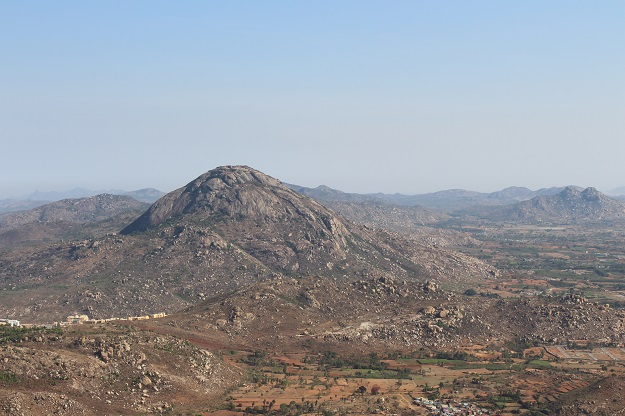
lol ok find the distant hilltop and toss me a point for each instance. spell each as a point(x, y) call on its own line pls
point(149, 195)
point(568, 206)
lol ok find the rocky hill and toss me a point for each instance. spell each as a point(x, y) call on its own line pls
point(229, 228)
point(568, 206)
point(243, 264)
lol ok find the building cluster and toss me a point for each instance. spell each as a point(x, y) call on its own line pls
point(84, 319)
point(9, 322)
point(437, 407)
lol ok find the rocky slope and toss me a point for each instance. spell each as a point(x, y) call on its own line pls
point(229, 228)
point(92, 370)
point(384, 313)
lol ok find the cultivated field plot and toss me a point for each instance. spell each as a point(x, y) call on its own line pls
point(300, 383)
point(596, 354)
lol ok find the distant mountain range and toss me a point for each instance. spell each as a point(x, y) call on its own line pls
point(325, 193)
point(447, 201)
point(620, 191)
point(390, 211)
point(69, 219)
point(373, 212)
point(149, 195)
point(13, 205)
point(458, 199)
point(38, 198)
point(556, 205)
point(75, 210)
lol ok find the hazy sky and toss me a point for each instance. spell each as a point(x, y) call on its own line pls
point(363, 96)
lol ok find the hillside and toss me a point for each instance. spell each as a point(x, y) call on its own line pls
point(107, 370)
point(383, 314)
point(230, 227)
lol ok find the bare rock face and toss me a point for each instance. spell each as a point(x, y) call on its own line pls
point(257, 213)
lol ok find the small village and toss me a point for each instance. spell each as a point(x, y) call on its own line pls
point(81, 319)
point(436, 407)
point(9, 322)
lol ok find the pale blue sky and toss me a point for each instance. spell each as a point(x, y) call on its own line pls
point(363, 96)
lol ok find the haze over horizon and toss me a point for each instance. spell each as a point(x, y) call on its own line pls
point(78, 191)
point(407, 97)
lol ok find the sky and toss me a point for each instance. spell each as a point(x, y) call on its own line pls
point(362, 96)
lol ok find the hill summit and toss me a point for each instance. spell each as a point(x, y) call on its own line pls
point(236, 193)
